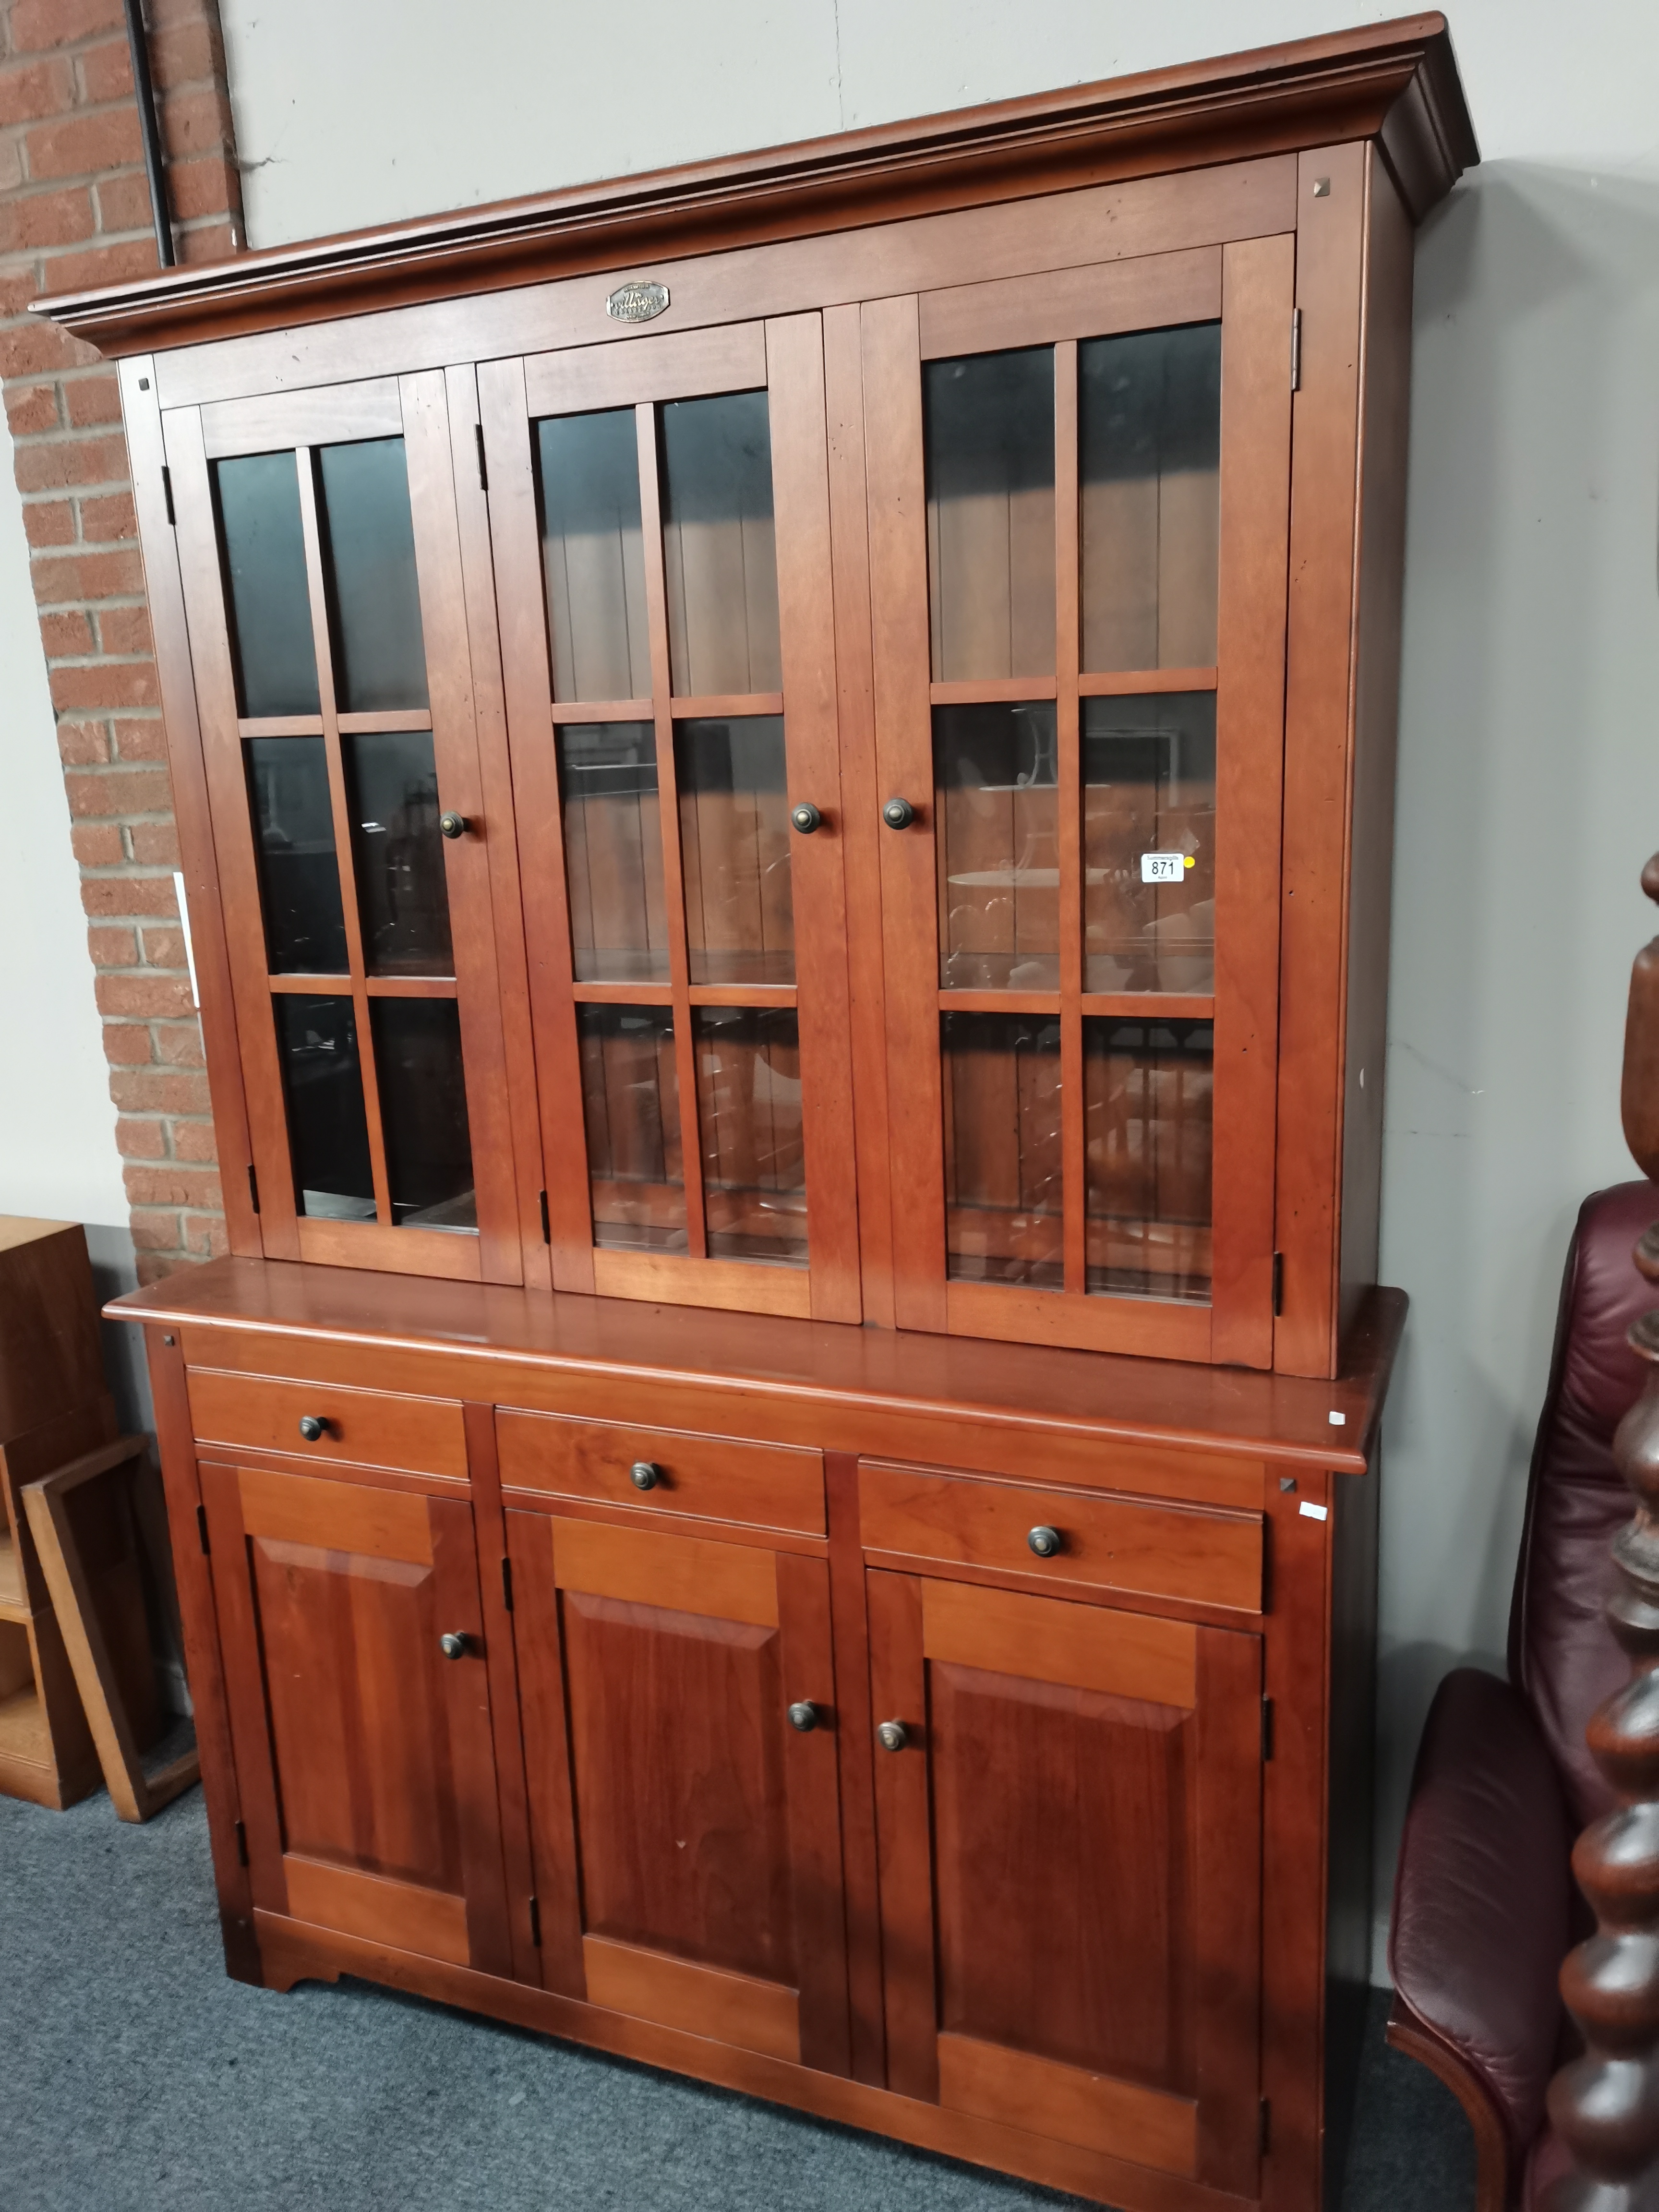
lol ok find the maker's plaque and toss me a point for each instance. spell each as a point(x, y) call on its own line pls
point(637, 302)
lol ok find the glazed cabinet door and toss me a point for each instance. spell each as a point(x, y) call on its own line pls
point(660, 513)
point(350, 1622)
point(1078, 500)
point(1068, 1815)
point(680, 1745)
point(318, 546)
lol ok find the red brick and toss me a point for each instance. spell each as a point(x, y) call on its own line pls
point(18, 287)
point(138, 1140)
point(154, 844)
point(35, 25)
point(180, 1044)
point(127, 1044)
point(174, 1186)
point(145, 997)
point(11, 164)
point(82, 145)
point(193, 1141)
point(96, 845)
point(164, 16)
point(165, 948)
point(32, 408)
point(104, 683)
point(190, 51)
point(29, 90)
point(155, 1090)
point(103, 264)
point(141, 741)
point(101, 896)
point(156, 1232)
point(35, 348)
point(196, 122)
point(124, 629)
point(82, 745)
point(60, 218)
point(92, 400)
point(204, 186)
point(109, 518)
point(106, 72)
point(48, 521)
point(76, 576)
point(156, 1266)
point(204, 1235)
point(67, 633)
point(123, 202)
point(218, 241)
point(50, 466)
point(112, 948)
point(123, 791)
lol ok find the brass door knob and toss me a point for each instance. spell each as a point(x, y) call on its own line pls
point(312, 1427)
point(453, 825)
point(806, 817)
point(892, 1735)
point(645, 1474)
point(804, 1715)
point(453, 1646)
point(1045, 1542)
point(898, 814)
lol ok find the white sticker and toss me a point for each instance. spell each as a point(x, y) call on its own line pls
point(1338, 1420)
point(1164, 867)
point(1313, 1512)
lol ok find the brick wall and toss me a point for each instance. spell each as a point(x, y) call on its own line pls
point(75, 211)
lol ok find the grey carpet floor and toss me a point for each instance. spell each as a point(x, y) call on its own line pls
point(137, 2078)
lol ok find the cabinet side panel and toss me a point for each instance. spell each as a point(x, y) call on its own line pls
point(1385, 419)
point(1352, 1720)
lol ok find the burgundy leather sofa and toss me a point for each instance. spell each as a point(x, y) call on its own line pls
point(1484, 1905)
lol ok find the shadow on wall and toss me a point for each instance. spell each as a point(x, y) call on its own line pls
point(1528, 800)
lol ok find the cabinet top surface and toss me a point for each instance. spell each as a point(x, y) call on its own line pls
point(1221, 1408)
point(17, 1228)
point(1396, 82)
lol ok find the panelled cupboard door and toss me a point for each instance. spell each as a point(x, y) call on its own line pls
point(660, 515)
point(320, 555)
point(1074, 1950)
point(680, 1748)
point(1079, 488)
point(363, 1750)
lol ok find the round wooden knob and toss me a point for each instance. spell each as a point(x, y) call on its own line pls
point(312, 1427)
point(453, 825)
point(805, 817)
point(898, 814)
point(1044, 1542)
point(453, 1646)
point(804, 1715)
point(892, 1735)
point(645, 1474)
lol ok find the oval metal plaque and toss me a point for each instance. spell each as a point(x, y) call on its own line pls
point(637, 302)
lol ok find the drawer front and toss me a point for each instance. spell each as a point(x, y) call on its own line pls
point(1194, 1555)
point(424, 1435)
point(767, 1486)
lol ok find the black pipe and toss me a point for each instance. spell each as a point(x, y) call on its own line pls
point(144, 89)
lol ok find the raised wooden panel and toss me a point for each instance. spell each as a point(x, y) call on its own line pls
point(737, 2009)
point(423, 1435)
point(1121, 1655)
point(1201, 1557)
point(342, 1516)
point(769, 1485)
point(639, 1566)
point(1068, 2102)
point(405, 1914)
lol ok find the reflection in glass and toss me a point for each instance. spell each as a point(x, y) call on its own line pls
point(322, 1084)
point(630, 1108)
point(734, 850)
point(990, 444)
point(754, 1165)
point(717, 538)
point(369, 554)
point(592, 563)
point(613, 852)
point(299, 871)
point(399, 853)
point(995, 769)
point(1149, 407)
point(1146, 1101)
point(1149, 788)
point(1002, 1150)
point(270, 607)
point(429, 1151)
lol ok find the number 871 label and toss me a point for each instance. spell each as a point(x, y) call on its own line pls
point(1164, 867)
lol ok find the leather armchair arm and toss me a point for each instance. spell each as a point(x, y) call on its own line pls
point(1483, 1895)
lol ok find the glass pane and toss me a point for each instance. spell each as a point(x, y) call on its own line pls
point(1149, 842)
point(592, 563)
point(630, 1105)
point(299, 871)
point(270, 606)
point(1149, 407)
point(369, 537)
point(613, 852)
point(400, 852)
point(990, 438)
point(717, 544)
point(754, 1166)
point(734, 850)
point(1147, 1089)
point(1002, 1150)
point(997, 794)
point(327, 1133)
point(428, 1151)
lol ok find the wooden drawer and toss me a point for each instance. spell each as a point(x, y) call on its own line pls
point(1192, 1554)
point(717, 1478)
point(425, 1436)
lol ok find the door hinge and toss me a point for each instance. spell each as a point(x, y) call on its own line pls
point(1295, 349)
point(536, 1922)
point(1279, 1284)
point(483, 471)
point(241, 1845)
point(507, 1583)
point(201, 1530)
point(547, 1233)
point(1265, 2129)
point(252, 1187)
point(1266, 1728)
point(167, 494)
